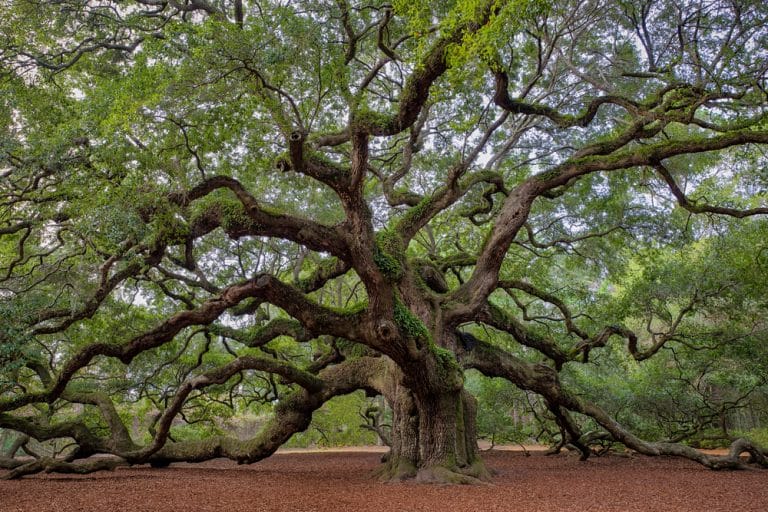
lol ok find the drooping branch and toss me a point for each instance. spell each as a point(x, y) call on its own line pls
point(695, 206)
point(50, 465)
point(730, 461)
point(264, 334)
point(499, 319)
point(571, 433)
point(293, 414)
point(38, 427)
point(502, 99)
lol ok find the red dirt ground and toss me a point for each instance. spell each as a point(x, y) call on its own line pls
point(341, 481)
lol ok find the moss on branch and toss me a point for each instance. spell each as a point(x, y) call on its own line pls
point(409, 324)
point(389, 254)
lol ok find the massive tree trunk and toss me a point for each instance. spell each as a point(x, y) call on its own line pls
point(434, 440)
point(447, 439)
point(434, 434)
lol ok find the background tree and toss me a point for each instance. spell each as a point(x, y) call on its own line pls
point(211, 208)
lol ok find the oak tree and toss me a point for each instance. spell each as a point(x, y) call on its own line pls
point(207, 204)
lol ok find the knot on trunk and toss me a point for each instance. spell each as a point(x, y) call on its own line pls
point(387, 330)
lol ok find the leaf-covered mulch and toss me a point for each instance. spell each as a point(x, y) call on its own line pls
point(331, 481)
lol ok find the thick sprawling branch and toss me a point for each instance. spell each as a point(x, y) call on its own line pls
point(51, 465)
point(416, 89)
point(495, 362)
point(262, 222)
point(264, 334)
point(517, 205)
point(647, 155)
point(39, 428)
point(292, 415)
point(221, 375)
point(314, 317)
point(326, 270)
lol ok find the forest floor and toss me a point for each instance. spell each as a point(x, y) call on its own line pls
point(325, 481)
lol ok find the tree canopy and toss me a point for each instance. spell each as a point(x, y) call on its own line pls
point(211, 207)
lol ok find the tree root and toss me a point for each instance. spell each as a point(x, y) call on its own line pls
point(444, 475)
point(404, 470)
point(396, 470)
